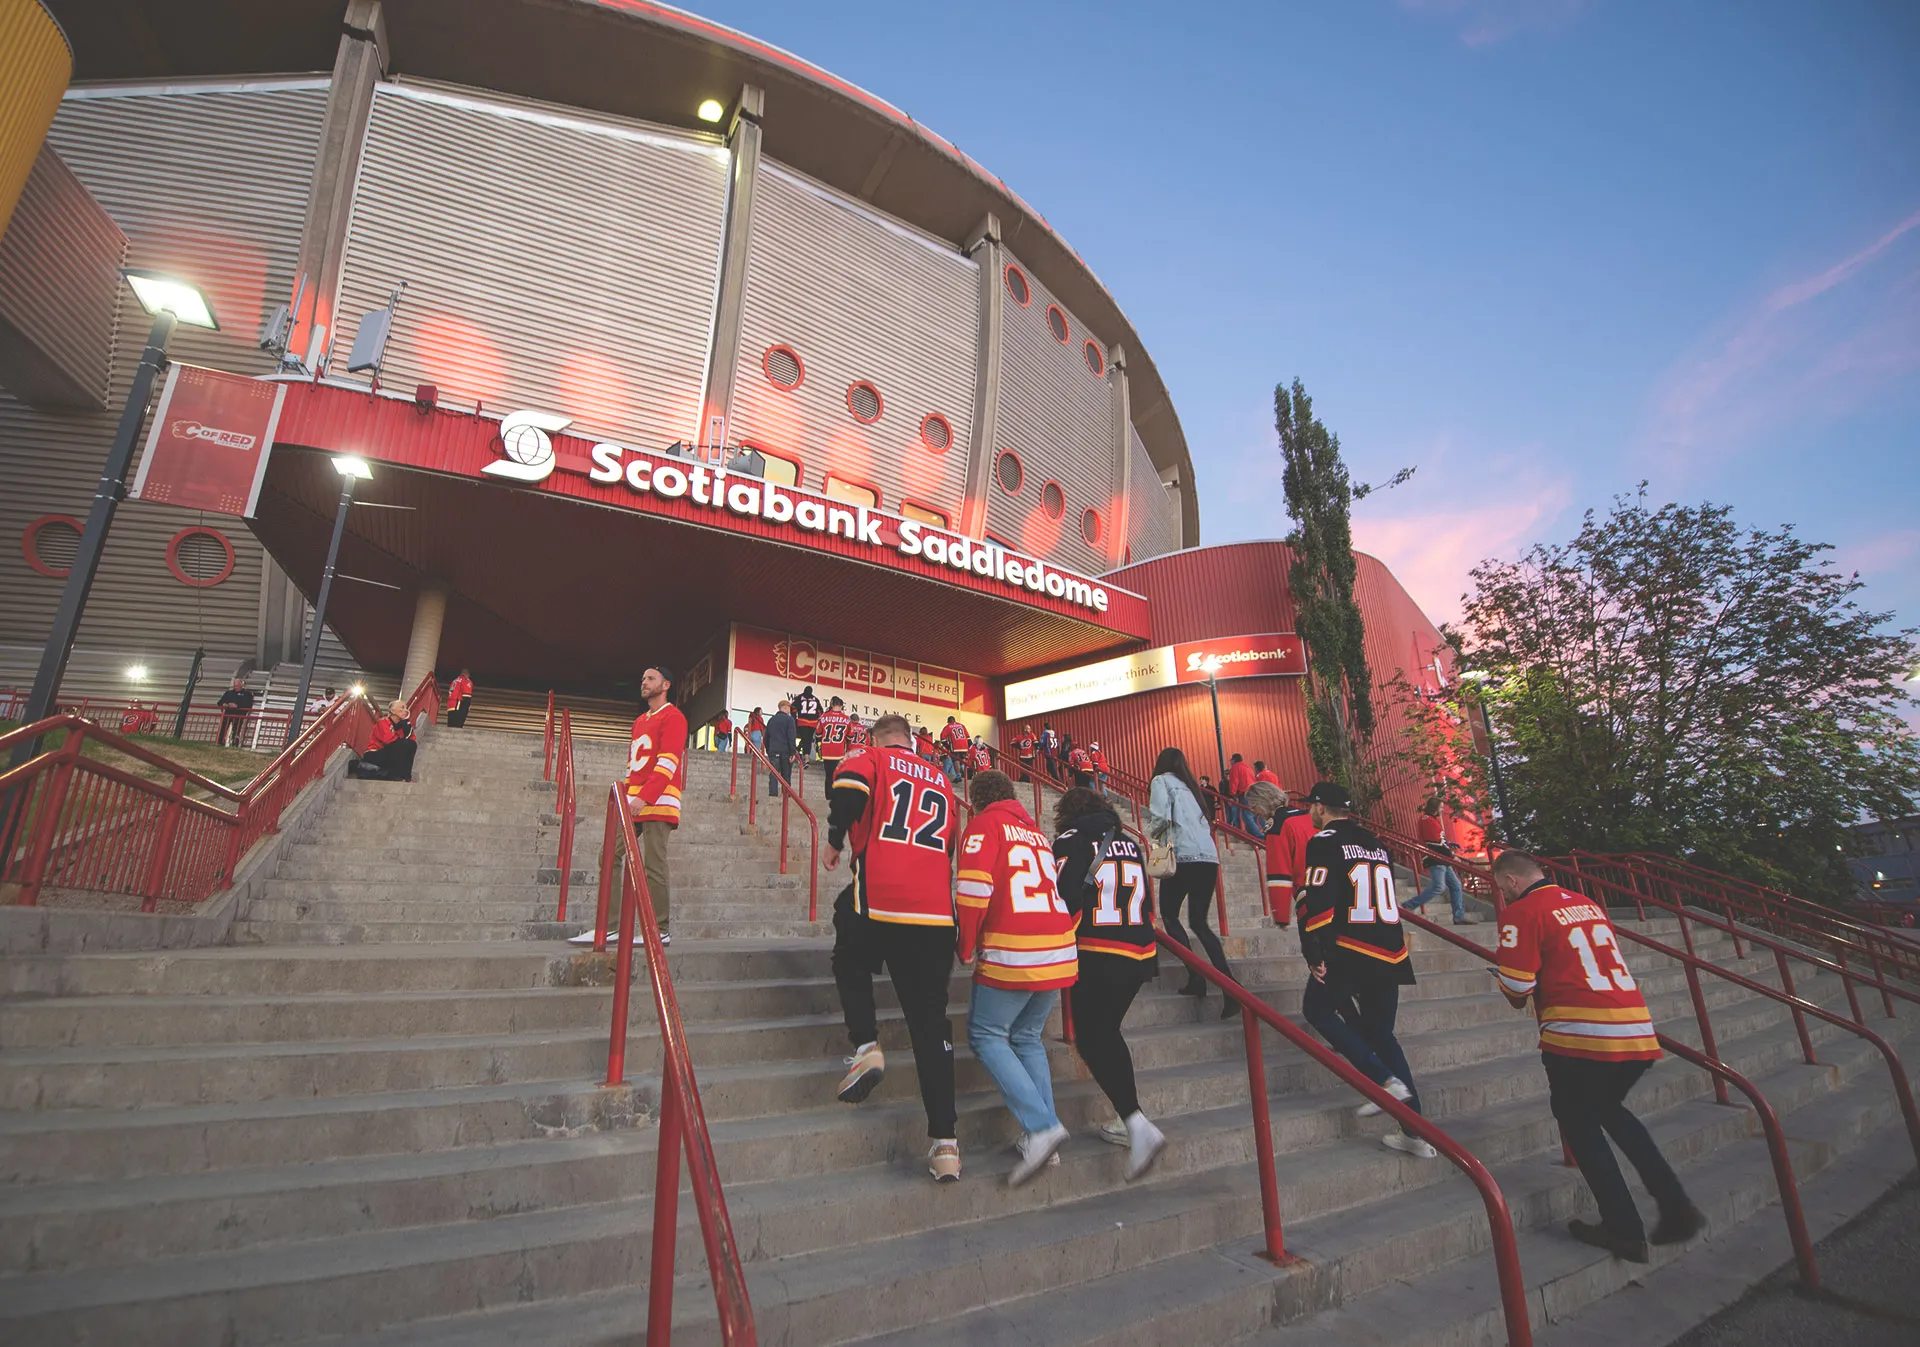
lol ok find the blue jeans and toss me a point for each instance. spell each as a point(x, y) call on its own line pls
point(1441, 879)
point(1357, 1021)
point(1003, 1029)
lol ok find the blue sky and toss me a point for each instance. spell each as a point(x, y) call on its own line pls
point(1542, 250)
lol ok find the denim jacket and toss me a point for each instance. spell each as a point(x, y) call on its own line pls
point(1174, 816)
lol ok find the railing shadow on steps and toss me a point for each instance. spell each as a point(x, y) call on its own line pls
point(70, 820)
point(683, 1122)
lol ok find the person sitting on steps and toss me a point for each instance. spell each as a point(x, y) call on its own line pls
point(390, 749)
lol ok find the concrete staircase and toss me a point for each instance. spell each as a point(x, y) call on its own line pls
point(378, 1120)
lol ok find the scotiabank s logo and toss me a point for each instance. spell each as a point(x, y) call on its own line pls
point(528, 449)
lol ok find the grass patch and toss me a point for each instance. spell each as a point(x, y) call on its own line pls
point(229, 766)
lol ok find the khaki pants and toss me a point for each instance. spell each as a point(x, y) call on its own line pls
point(653, 834)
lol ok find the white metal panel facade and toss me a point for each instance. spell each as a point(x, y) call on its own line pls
point(1056, 415)
point(211, 183)
point(858, 298)
point(553, 259)
point(1153, 521)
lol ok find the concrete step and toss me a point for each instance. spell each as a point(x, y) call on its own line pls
point(391, 932)
point(215, 972)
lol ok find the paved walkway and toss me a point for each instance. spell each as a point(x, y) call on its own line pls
point(1871, 1269)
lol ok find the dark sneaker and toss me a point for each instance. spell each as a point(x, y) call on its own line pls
point(1677, 1227)
point(1591, 1232)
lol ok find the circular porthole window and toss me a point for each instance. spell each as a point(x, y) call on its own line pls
point(1053, 502)
point(783, 367)
point(1091, 527)
point(51, 543)
point(863, 402)
point(1017, 286)
point(1096, 359)
point(200, 557)
point(1009, 472)
point(935, 433)
point(1057, 324)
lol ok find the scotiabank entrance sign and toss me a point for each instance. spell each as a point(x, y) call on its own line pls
point(532, 449)
point(1266, 655)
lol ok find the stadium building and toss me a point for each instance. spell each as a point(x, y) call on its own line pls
point(661, 344)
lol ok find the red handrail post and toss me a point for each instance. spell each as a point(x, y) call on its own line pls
point(53, 803)
point(567, 805)
point(609, 857)
point(1220, 888)
point(156, 876)
point(546, 768)
point(1886, 995)
point(1799, 1019)
point(1846, 978)
point(733, 767)
point(666, 1209)
point(622, 981)
point(1276, 1245)
point(1066, 1016)
point(785, 810)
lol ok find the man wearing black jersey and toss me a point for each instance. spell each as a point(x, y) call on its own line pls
point(1356, 952)
point(806, 714)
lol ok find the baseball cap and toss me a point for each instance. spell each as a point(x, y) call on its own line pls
point(1330, 793)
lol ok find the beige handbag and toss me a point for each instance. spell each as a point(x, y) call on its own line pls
point(1160, 861)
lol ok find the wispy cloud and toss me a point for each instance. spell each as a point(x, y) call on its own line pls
point(1482, 23)
point(1811, 350)
point(1891, 551)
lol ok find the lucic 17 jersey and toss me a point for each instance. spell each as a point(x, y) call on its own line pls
point(902, 839)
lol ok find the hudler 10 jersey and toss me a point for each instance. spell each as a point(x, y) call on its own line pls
point(895, 813)
point(1349, 913)
point(1558, 946)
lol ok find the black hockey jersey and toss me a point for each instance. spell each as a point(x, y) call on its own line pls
point(1349, 912)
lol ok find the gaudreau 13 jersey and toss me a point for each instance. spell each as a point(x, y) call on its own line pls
point(833, 734)
point(1349, 912)
point(903, 838)
point(1558, 946)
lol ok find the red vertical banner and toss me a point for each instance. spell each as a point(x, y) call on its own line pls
point(207, 449)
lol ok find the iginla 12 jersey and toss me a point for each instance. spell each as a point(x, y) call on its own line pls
point(902, 840)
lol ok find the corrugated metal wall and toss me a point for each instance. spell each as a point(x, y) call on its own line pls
point(1057, 415)
point(1240, 589)
point(553, 259)
point(212, 184)
point(857, 297)
point(60, 290)
point(1153, 518)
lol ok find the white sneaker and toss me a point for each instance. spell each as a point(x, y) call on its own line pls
point(1115, 1133)
point(586, 937)
point(1036, 1148)
point(1394, 1087)
point(1400, 1141)
point(1145, 1144)
point(943, 1161)
point(865, 1070)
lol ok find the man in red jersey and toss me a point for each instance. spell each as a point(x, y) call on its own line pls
point(1239, 781)
point(1080, 764)
point(459, 699)
point(1288, 830)
point(954, 742)
point(832, 738)
point(1596, 1040)
point(1014, 920)
point(926, 745)
point(656, 774)
point(979, 757)
point(1097, 759)
point(894, 813)
point(1023, 748)
point(856, 734)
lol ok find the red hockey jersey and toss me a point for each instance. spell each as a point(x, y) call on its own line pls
point(1558, 946)
point(657, 765)
point(956, 737)
point(901, 840)
point(982, 757)
point(1009, 909)
point(832, 734)
point(1287, 862)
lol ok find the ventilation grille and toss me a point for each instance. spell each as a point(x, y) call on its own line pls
point(936, 434)
point(203, 557)
point(1057, 323)
point(863, 400)
point(1091, 527)
point(1096, 359)
point(783, 368)
point(1011, 474)
point(1053, 502)
point(57, 545)
point(1017, 286)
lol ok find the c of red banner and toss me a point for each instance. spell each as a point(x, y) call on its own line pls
point(208, 446)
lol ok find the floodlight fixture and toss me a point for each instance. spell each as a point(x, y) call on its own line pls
point(160, 293)
point(352, 465)
point(136, 673)
point(712, 110)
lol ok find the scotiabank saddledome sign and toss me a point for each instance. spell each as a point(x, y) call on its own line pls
point(531, 456)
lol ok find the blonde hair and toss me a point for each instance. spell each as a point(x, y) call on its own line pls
point(399, 708)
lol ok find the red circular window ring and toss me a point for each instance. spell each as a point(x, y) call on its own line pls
point(864, 403)
point(1096, 359)
point(200, 557)
point(1017, 286)
point(784, 368)
point(936, 433)
point(1010, 472)
point(1057, 324)
point(1091, 527)
point(50, 540)
point(1053, 501)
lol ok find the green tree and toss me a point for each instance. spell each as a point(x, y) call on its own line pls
point(1670, 681)
point(1320, 498)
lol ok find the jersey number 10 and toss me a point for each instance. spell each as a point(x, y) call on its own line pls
point(1373, 896)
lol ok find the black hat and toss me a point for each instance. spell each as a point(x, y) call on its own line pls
point(1331, 794)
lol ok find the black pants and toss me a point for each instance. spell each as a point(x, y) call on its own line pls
point(1356, 1017)
point(832, 765)
point(457, 717)
point(231, 728)
point(1099, 1001)
point(806, 741)
point(389, 762)
point(1191, 883)
point(1588, 1099)
point(783, 764)
point(920, 961)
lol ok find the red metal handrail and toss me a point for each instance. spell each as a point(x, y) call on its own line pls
point(1763, 894)
point(789, 797)
point(567, 805)
point(1255, 1012)
point(1723, 1074)
point(683, 1122)
point(546, 754)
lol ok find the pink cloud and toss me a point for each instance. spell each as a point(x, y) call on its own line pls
point(1890, 551)
point(1811, 350)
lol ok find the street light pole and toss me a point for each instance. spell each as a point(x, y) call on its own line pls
point(1212, 666)
point(1493, 764)
point(351, 470)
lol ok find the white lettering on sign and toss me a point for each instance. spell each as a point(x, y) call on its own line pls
point(715, 489)
point(1164, 667)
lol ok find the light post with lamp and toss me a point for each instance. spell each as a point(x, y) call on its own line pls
point(1481, 683)
point(351, 470)
point(171, 302)
point(1212, 665)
